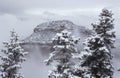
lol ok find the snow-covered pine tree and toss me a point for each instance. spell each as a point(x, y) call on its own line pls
point(64, 48)
point(97, 63)
point(12, 57)
point(105, 28)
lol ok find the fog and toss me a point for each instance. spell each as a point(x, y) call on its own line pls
point(35, 67)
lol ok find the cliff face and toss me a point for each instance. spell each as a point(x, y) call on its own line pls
point(44, 32)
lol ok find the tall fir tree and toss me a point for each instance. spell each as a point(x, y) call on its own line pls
point(64, 49)
point(98, 63)
point(105, 28)
point(12, 57)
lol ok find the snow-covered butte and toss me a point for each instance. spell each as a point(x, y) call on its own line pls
point(44, 32)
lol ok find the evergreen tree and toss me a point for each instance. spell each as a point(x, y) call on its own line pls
point(96, 57)
point(98, 61)
point(64, 48)
point(105, 28)
point(12, 57)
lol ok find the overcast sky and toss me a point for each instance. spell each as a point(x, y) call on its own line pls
point(24, 15)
